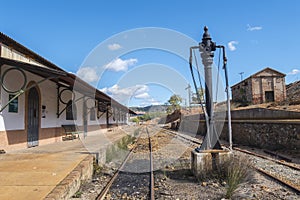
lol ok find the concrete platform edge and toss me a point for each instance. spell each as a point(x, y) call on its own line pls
point(71, 183)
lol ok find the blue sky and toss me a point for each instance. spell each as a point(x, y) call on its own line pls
point(257, 34)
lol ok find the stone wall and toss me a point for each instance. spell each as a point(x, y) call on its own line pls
point(264, 128)
point(70, 184)
point(268, 135)
point(242, 92)
point(293, 92)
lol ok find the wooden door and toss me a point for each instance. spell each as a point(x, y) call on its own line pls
point(33, 116)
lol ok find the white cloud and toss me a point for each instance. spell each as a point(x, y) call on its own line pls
point(139, 92)
point(154, 102)
point(120, 65)
point(124, 94)
point(231, 45)
point(144, 95)
point(88, 74)
point(114, 46)
point(294, 72)
point(149, 102)
point(253, 28)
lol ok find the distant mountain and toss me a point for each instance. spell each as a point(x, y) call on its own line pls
point(152, 108)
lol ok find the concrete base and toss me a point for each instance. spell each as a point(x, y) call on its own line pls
point(208, 160)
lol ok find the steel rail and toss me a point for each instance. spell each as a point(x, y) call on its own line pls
point(181, 136)
point(151, 169)
point(105, 190)
point(268, 158)
point(289, 185)
point(247, 152)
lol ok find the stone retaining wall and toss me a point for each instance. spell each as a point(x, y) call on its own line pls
point(271, 136)
point(71, 184)
point(264, 128)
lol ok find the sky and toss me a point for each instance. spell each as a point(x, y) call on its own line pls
point(137, 50)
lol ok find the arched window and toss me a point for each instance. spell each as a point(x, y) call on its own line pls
point(71, 111)
point(92, 114)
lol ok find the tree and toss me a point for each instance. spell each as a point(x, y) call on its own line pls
point(174, 103)
point(135, 120)
point(195, 99)
point(145, 117)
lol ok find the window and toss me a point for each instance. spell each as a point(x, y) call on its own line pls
point(102, 107)
point(92, 114)
point(278, 80)
point(269, 83)
point(71, 111)
point(13, 105)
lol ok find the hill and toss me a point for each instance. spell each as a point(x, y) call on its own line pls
point(152, 108)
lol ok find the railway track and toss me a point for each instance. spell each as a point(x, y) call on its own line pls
point(289, 172)
point(288, 176)
point(135, 175)
point(185, 137)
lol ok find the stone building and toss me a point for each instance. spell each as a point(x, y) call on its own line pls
point(293, 92)
point(267, 85)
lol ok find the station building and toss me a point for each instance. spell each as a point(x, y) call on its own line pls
point(267, 85)
point(37, 98)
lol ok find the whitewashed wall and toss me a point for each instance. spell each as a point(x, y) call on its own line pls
point(102, 119)
point(48, 92)
point(12, 121)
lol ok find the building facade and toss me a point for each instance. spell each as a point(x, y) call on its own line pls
point(267, 85)
point(37, 98)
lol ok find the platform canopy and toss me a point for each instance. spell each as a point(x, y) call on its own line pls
point(16, 55)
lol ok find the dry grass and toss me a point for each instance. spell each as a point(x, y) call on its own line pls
point(233, 172)
point(236, 171)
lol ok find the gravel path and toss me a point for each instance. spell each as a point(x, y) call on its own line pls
point(174, 180)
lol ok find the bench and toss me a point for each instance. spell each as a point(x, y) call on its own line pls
point(71, 132)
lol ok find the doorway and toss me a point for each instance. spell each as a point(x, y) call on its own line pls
point(85, 119)
point(33, 116)
point(269, 95)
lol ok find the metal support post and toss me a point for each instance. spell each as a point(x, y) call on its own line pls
point(228, 98)
point(207, 48)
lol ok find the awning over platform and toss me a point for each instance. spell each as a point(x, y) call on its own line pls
point(35, 69)
point(38, 65)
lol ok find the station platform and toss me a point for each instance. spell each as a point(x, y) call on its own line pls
point(36, 173)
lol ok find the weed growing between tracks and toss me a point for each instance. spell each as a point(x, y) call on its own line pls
point(236, 170)
point(230, 174)
point(96, 168)
point(120, 149)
